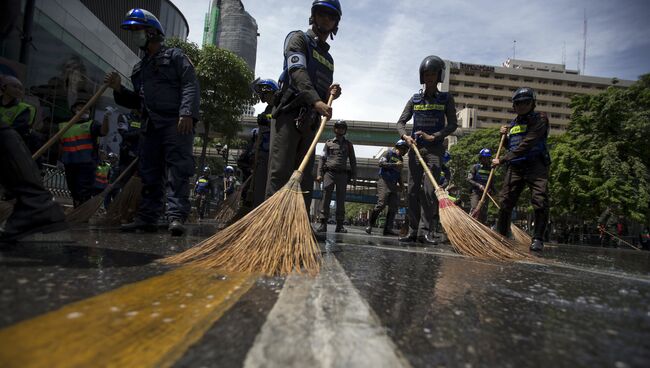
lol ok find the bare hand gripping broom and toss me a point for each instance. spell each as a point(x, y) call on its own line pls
point(466, 234)
point(275, 238)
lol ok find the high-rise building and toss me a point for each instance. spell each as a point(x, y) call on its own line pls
point(482, 92)
point(229, 26)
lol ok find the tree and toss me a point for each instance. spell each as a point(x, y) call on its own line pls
point(225, 89)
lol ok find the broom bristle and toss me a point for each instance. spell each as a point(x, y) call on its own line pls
point(228, 208)
point(84, 212)
point(469, 237)
point(275, 238)
point(520, 236)
point(125, 204)
point(6, 208)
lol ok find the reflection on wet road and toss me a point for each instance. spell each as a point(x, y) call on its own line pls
point(104, 299)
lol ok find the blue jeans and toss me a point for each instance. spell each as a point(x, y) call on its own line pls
point(166, 160)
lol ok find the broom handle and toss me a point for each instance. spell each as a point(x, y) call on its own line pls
point(311, 149)
point(72, 121)
point(489, 182)
point(616, 237)
point(493, 201)
point(122, 175)
point(425, 167)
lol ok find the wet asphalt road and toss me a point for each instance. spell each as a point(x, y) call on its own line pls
point(375, 303)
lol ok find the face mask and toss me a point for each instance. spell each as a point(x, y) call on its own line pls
point(140, 38)
point(85, 116)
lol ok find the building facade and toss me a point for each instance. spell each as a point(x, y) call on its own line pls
point(72, 47)
point(229, 26)
point(482, 92)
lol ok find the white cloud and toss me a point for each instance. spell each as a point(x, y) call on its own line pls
point(381, 42)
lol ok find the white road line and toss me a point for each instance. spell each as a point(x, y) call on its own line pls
point(323, 322)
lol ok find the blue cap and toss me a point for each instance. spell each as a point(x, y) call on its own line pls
point(485, 152)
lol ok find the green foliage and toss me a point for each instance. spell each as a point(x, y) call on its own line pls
point(604, 156)
point(224, 78)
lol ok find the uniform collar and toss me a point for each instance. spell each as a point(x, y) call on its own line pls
point(322, 44)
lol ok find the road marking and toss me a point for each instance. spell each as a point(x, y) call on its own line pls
point(323, 322)
point(150, 323)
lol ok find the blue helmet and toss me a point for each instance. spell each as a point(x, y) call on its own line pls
point(265, 85)
point(254, 131)
point(485, 152)
point(524, 94)
point(446, 157)
point(229, 169)
point(138, 19)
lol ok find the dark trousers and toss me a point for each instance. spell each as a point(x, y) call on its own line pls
point(475, 198)
point(289, 146)
point(533, 174)
point(166, 163)
point(423, 204)
point(81, 180)
point(261, 173)
point(19, 175)
point(330, 180)
point(387, 195)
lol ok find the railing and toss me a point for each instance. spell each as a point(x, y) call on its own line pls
point(54, 181)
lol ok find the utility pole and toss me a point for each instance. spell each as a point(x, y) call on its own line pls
point(584, 49)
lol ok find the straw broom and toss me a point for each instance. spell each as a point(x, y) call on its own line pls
point(126, 203)
point(228, 208)
point(519, 235)
point(84, 212)
point(467, 235)
point(275, 238)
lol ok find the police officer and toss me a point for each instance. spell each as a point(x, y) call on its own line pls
point(389, 185)
point(167, 93)
point(429, 109)
point(333, 171)
point(79, 153)
point(527, 163)
point(266, 90)
point(306, 84)
point(13, 112)
point(204, 191)
point(129, 129)
point(478, 177)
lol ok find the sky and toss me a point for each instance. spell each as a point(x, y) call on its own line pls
point(381, 43)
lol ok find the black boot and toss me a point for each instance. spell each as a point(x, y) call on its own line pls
point(176, 228)
point(428, 239)
point(340, 228)
point(322, 228)
point(541, 218)
point(537, 245)
point(411, 237)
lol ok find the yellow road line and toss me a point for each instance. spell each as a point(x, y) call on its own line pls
point(150, 323)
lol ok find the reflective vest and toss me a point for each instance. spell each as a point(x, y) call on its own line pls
point(101, 175)
point(320, 67)
point(482, 174)
point(8, 114)
point(428, 117)
point(518, 129)
point(77, 144)
point(135, 124)
point(391, 174)
point(202, 185)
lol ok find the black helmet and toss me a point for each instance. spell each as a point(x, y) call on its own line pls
point(524, 94)
point(332, 6)
point(432, 63)
point(341, 124)
point(401, 144)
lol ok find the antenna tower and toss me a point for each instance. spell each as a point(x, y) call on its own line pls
point(584, 48)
